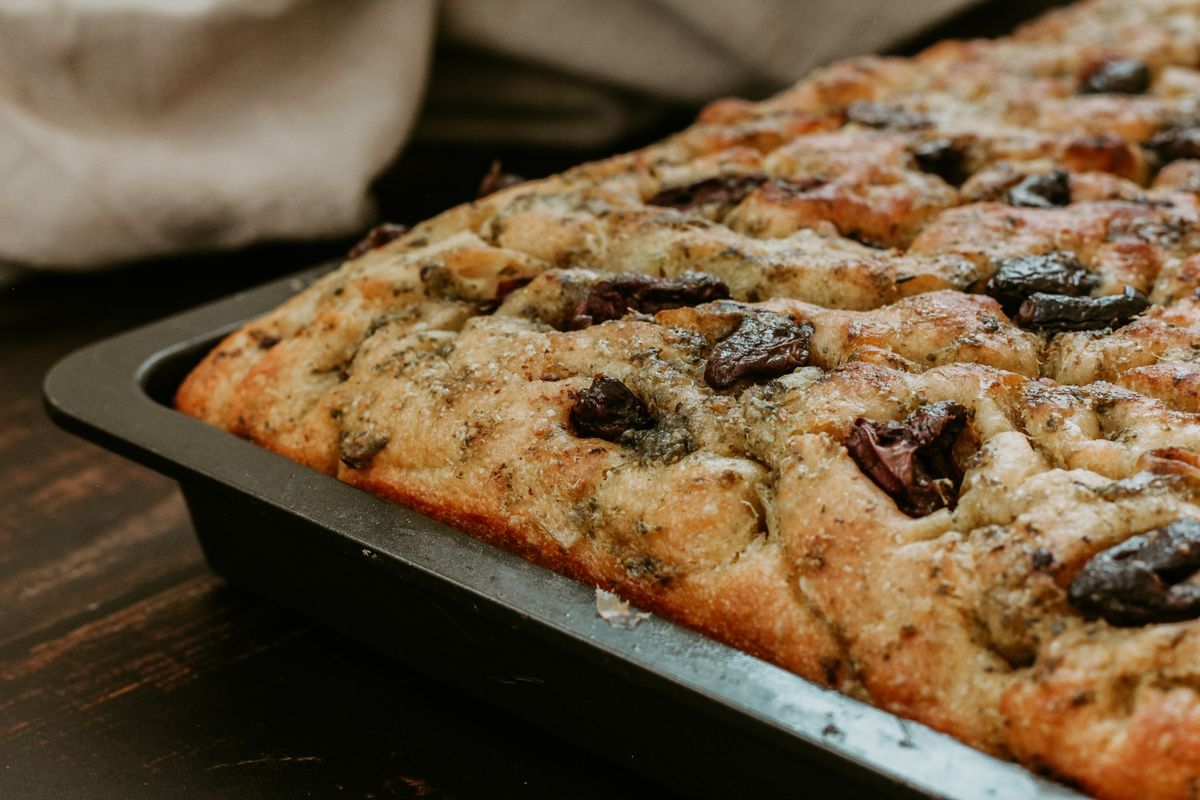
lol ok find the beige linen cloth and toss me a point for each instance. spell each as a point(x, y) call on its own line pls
point(132, 129)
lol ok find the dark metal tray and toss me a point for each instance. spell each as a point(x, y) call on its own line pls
point(690, 713)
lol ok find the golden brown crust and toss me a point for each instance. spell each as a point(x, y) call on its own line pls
point(865, 211)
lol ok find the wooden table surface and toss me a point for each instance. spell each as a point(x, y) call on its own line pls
point(128, 669)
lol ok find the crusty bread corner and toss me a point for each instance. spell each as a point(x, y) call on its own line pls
point(656, 374)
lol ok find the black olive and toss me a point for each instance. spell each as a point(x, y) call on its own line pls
point(607, 409)
point(1041, 559)
point(357, 450)
point(1175, 142)
point(1117, 76)
point(912, 461)
point(944, 158)
point(882, 115)
point(1143, 580)
point(764, 346)
point(504, 288)
point(1047, 273)
point(377, 237)
point(613, 297)
point(1047, 190)
point(1055, 313)
point(729, 189)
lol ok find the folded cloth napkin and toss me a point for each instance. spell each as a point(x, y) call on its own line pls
point(132, 129)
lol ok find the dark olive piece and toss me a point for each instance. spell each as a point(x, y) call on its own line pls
point(882, 115)
point(1055, 313)
point(497, 179)
point(729, 189)
point(614, 297)
point(607, 409)
point(1046, 273)
point(357, 450)
point(377, 237)
point(912, 461)
point(764, 346)
point(944, 158)
point(1117, 76)
point(1041, 559)
point(1147, 579)
point(1175, 142)
point(1047, 190)
point(505, 287)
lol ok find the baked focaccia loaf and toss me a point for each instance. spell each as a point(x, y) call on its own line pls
point(892, 379)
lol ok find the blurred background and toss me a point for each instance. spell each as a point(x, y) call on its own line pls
point(133, 130)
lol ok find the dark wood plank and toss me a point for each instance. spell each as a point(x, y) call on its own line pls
point(199, 690)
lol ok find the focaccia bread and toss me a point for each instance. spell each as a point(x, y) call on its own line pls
point(892, 379)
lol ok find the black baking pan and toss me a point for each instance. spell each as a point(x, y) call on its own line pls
point(690, 713)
